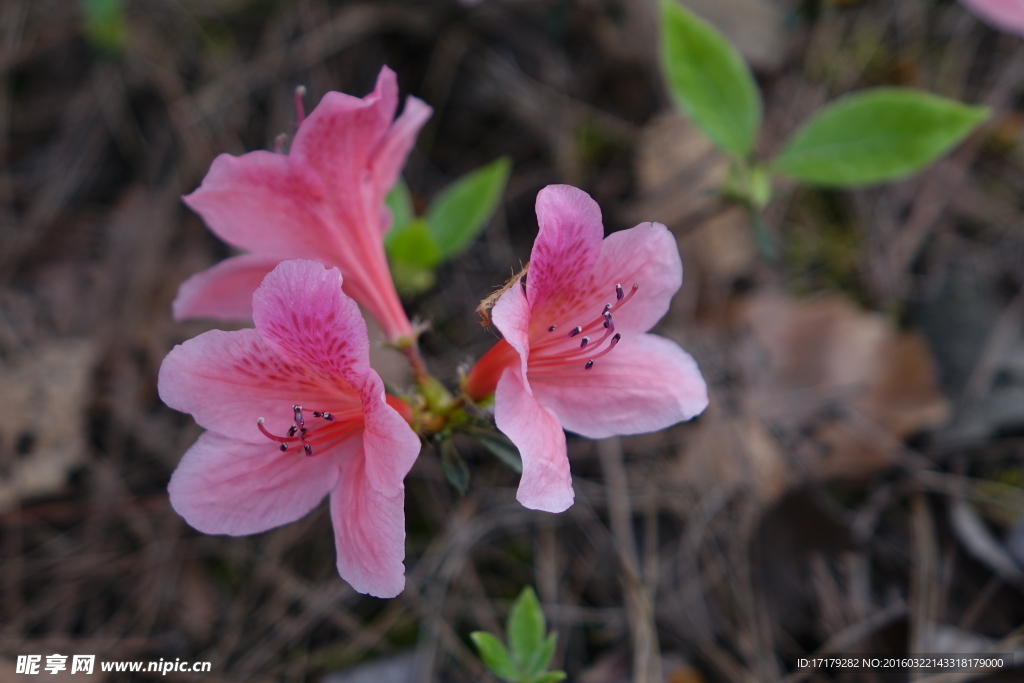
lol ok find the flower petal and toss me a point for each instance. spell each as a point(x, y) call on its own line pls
point(369, 532)
point(339, 137)
point(566, 248)
point(227, 380)
point(648, 256)
point(1007, 15)
point(226, 486)
point(390, 444)
point(512, 316)
point(546, 483)
point(223, 292)
point(390, 156)
point(301, 312)
point(264, 202)
point(647, 383)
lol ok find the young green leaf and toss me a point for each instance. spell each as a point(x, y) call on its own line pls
point(105, 24)
point(549, 677)
point(494, 656)
point(399, 202)
point(464, 208)
point(875, 136)
point(412, 255)
point(541, 656)
point(454, 467)
point(709, 79)
point(526, 628)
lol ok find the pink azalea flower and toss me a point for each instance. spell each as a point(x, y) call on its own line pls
point(322, 201)
point(575, 353)
point(1007, 15)
point(294, 413)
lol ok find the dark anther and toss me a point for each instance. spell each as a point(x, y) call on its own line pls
point(619, 293)
point(292, 430)
point(327, 416)
point(589, 365)
point(302, 433)
point(607, 307)
point(584, 342)
point(298, 415)
point(284, 447)
point(607, 320)
point(576, 330)
point(552, 328)
point(309, 449)
point(616, 338)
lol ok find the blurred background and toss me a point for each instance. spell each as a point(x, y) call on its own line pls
point(853, 487)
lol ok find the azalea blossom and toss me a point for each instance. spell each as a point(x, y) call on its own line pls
point(575, 353)
point(295, 413)
point(322, 201)
point(1007, 15)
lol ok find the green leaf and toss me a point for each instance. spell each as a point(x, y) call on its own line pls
point(549, 677)
point(412, 254)
point(709, 79)
point(105, 25)
point(464, 208)
point(494, 656)
point(399, 202)
point(499, 446)
point(454, 467)
point(526, 627)
point(876, 135)
point(541, 656)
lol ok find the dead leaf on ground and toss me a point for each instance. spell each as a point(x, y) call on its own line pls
point(845, 377)
point(41, 418)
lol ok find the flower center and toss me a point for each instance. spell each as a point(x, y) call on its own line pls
point(327, 431)
point(556, 348)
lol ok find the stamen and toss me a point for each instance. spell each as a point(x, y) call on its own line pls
point(281, 439)
point(292, 430)
point(619, 293)
point(607, 320)
point(300, 109)
point(583, 344)
point(607, 307)
point(576, 330)
point(279, 143)
point(298, 415)
point(325, 415)
point(284, 447)
point(589, 365)
point(552, 328)
point(308, 449)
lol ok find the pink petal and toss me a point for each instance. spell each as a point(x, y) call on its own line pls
point(390, 444)
point(226, 486)
point(567, 245)
point(223, 292)
point(512, 316)
point(390, 156)
point(369, 532)
point(228, 380)
point(1007, 15)
point(266, 203)
point(646, 255)
point(301, 312)
point(340, 135)
point(546, 483)
point(645, 384)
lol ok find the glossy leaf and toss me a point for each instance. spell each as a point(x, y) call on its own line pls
point(499, 446)
point(875, 136)
point(526, 627)
point(412, 255)
point(464, 208)
point(454, 467)
point(494, 656)
point(709, 79)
